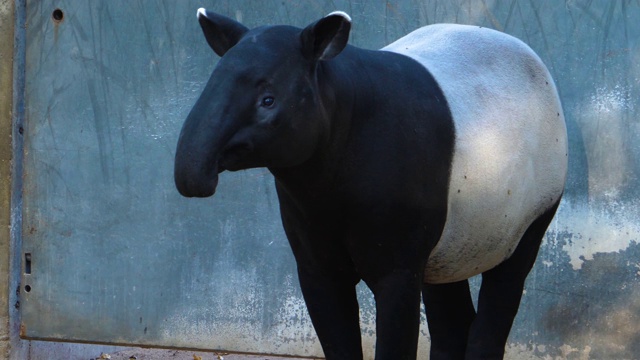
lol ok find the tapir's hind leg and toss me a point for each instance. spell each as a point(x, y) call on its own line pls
point(450, 313)
point(500, 294)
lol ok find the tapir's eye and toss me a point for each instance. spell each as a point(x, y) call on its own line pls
point(268, 101)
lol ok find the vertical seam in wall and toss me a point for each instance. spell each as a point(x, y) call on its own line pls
point(18, 113)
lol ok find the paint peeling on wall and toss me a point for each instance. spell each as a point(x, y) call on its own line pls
point(591, 230)
point(604, 119)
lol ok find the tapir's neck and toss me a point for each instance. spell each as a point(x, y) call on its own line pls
point(375, 102)
point(337, 93)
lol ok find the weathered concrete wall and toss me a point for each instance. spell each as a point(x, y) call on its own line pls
point(109, 88)
point(11, 346)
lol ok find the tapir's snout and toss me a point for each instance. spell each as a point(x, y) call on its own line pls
point(192, 181)
point(196, 162)
point(196, 188)
point(203, 135)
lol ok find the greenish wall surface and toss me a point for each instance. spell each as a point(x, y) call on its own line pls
point(120, 257)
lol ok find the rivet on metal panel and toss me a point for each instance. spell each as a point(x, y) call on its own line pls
point(27, 288)
point(57, 15)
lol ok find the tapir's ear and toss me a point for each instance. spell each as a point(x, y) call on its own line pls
point(327, 37)
point(221, 32)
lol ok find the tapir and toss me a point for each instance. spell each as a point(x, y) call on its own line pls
point(412, 168)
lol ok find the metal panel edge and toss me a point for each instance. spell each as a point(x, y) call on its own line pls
point(7, 13)
point(16, 348)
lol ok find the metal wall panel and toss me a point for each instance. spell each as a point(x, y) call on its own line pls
point(113, 254)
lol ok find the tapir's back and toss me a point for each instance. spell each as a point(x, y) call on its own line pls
point(510, 159)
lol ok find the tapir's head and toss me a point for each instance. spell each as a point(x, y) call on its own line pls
point(262, 106)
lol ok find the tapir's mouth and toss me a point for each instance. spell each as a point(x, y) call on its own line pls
point(233, 157)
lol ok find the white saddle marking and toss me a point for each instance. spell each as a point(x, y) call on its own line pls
point(510, 159)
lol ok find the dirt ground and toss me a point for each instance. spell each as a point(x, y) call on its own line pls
point(157, 354)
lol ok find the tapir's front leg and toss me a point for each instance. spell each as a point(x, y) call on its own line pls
point(397, 298)
point(327, 279)
point(333, 308)
point(329, 291)
point(390, 253)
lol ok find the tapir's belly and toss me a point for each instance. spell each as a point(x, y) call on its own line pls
point(510, 158)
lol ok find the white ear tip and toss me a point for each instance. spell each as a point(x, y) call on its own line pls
point(202, 12)
point(341, 13)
